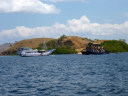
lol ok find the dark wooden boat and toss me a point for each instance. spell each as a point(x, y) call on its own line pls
point(94, 49)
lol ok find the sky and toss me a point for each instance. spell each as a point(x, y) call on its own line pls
point(93, 19)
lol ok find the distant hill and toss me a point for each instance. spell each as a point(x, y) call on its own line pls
point(5, 46)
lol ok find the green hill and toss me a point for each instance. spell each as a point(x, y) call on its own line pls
point(115, 46)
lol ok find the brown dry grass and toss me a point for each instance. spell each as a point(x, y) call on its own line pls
point(32, 43)
point(78, 42)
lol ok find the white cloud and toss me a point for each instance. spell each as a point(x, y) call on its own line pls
point(82, 27)
point(26, 6)
point(65, 0)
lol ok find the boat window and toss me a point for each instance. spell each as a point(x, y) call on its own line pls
point(28, 52)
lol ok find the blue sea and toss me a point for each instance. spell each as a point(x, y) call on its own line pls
point(64, 75)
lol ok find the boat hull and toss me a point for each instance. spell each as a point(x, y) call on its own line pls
point(31, 54)
point(47, 53)
point(93, 53)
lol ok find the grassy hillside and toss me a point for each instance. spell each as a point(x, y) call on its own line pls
point(115, 46)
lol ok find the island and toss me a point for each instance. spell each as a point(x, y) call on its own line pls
point(67, 45)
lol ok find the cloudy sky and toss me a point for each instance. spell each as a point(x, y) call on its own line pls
point(94, 19)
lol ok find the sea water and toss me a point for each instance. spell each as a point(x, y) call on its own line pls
point(64, 75)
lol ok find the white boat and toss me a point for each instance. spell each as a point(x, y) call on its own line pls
point(28, 52)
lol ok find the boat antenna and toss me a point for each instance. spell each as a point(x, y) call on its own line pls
point(85, 44)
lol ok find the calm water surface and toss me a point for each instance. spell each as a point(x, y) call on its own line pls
point(64, 75)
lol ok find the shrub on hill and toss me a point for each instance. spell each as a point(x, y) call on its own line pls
point(64, 50)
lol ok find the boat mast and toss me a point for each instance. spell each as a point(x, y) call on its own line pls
point(44, 44)
point(85, 44)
